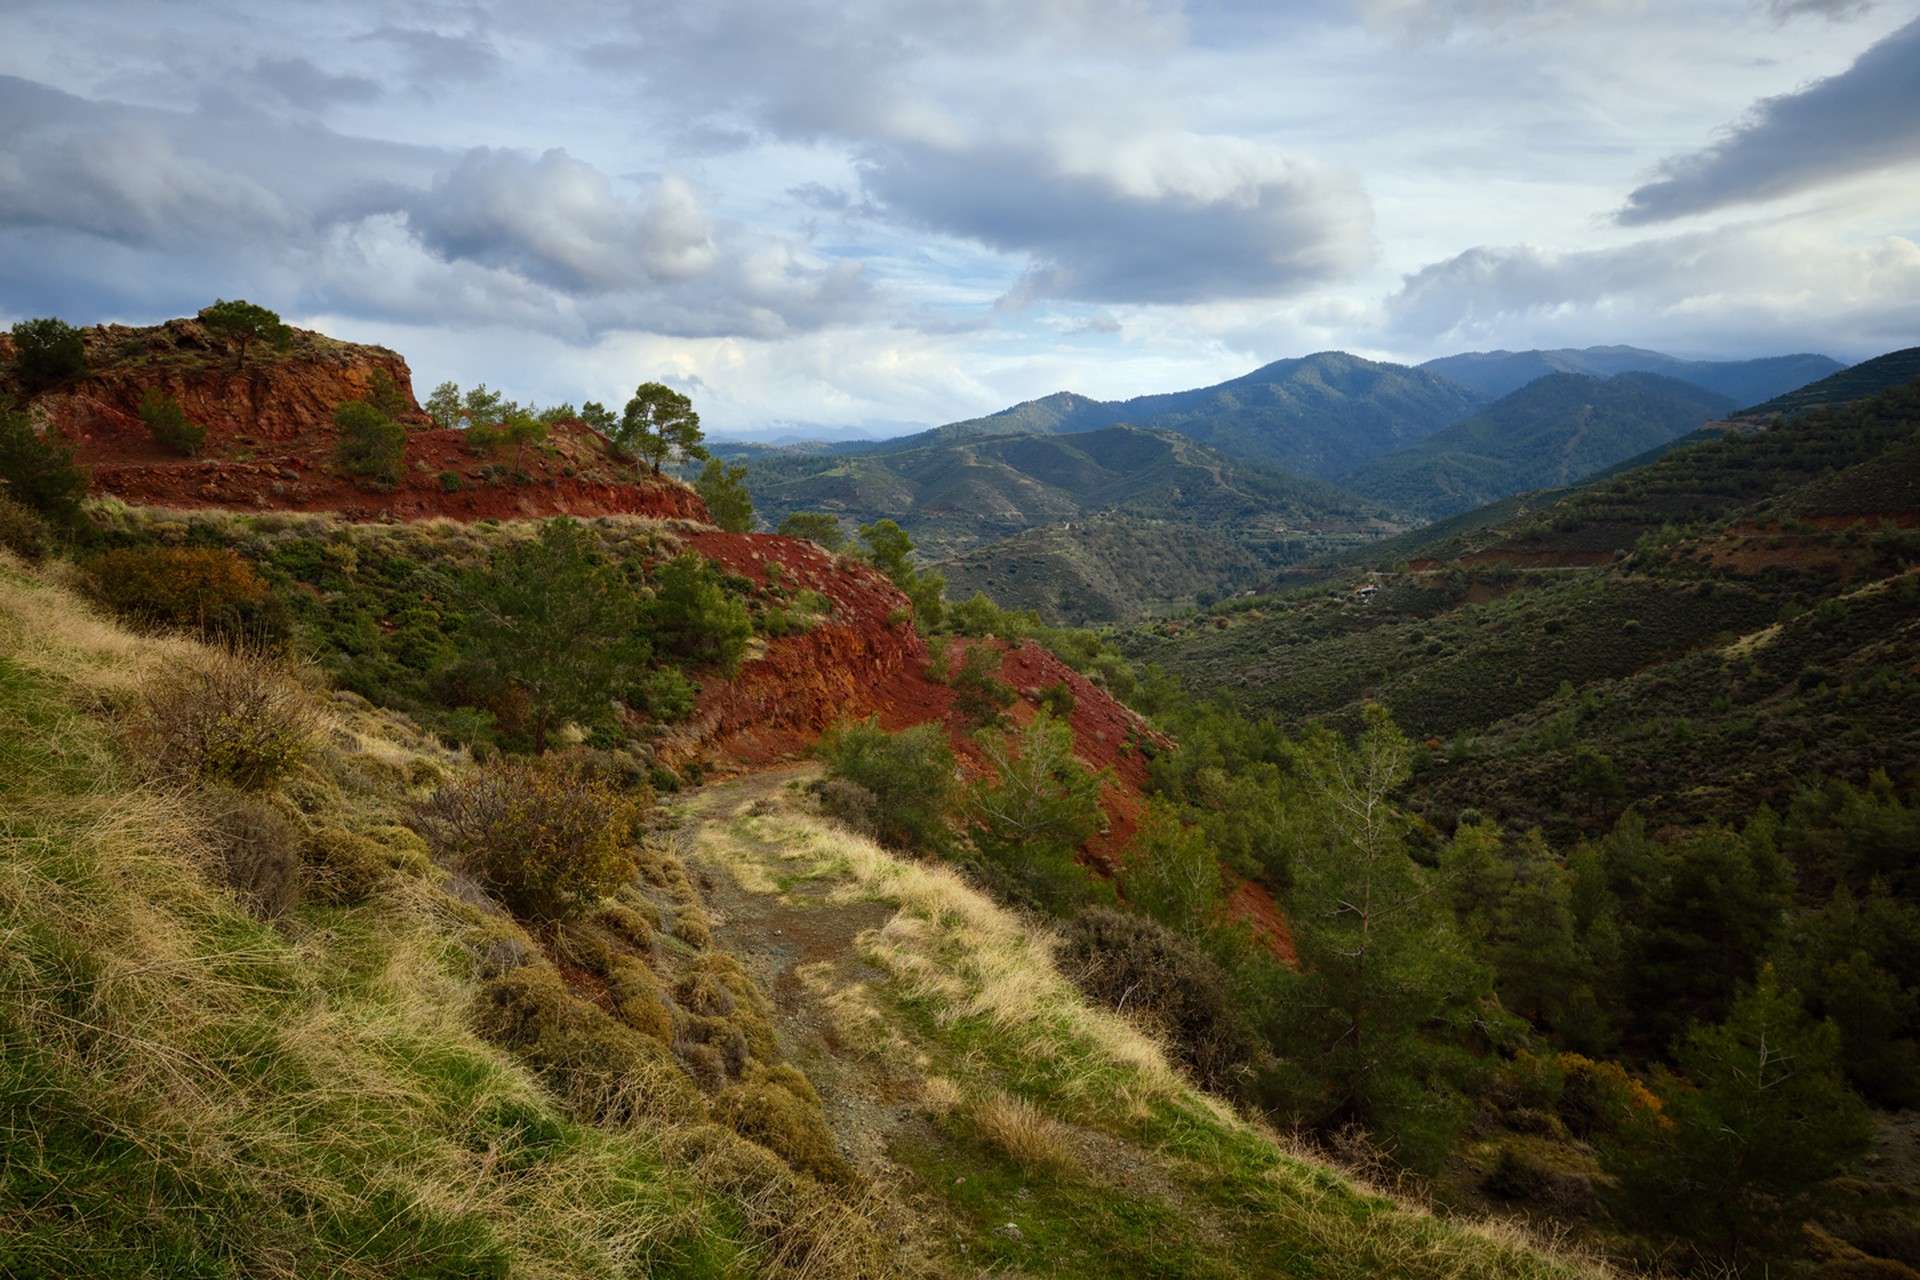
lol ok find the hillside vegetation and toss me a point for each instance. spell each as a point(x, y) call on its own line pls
point(1548, 434)
point(1099, 516)
point(263, 1032)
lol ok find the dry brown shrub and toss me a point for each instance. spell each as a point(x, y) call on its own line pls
point(548, 841)
point(256, 849)
point(1024, 1134)
point(236, 717)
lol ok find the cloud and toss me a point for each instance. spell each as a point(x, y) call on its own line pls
point(1436, 19)
point(1831, 10)
point(1168, 218)
point(246, 204)
point(1864, 120)
point(558, 221)
point(436, 59)
point(304, 85)
point(67, 166)
point(1742, 288)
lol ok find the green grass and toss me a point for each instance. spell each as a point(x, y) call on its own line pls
point(1128, 1171)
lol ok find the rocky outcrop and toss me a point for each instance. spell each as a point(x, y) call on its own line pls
point(271, 438)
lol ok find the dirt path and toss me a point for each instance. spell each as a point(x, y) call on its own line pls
point(799, 938)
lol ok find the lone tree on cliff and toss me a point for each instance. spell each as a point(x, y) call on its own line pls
point(47, 352)
point(245, 323)
point(659, 423)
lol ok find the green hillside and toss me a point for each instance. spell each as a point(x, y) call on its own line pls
point(1890, 370)
point(1742, 605)
point(1548, 434)
point(1319, 415)
point(1105, 524)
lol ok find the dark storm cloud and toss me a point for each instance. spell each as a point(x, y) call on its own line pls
point(1177, 225)
point(1864, 120)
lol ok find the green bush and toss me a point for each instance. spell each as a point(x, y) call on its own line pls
point(40, 473)
point(549, 841)
point(910, 775)
point(372, 447)
point(47, 352)
point(167, 422)
point(23, 532)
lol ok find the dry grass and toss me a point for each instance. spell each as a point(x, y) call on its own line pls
point(1024, 1133)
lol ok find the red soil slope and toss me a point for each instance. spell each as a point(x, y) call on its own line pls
point(270, 437)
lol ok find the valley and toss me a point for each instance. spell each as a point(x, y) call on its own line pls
point(420, 835)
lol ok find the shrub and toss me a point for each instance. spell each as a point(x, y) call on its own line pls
point(40, 473)
point(777, 1108)
point(1132, 963)
point(256, 849)
point(372, 447)
point(23, 532)
point(637, 1001)
point(47, 352)
point(168, 424)
point(605, 1072)
point(1514, 1177)
point(209, 589)
point(547, 840)
point(910, 776)
point(236, 717)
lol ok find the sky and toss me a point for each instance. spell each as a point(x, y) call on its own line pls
point(879, 215)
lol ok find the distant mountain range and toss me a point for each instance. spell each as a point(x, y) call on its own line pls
point(1159, 496)
point(1496, 373)
point(1319, 416)
point(1232, 467)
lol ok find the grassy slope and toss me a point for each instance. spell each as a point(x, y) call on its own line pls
point(1049, 1138)
point(188, 1091)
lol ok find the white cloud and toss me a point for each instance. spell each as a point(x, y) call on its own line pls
point(1744, 288)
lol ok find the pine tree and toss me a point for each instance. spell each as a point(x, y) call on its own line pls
point(1755, 1122)
point(1372, 1022)
point(557, 619)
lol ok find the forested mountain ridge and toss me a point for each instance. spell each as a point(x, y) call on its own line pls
point(1121, 510)
point(1319, 415)
point(1547, 434)
point(1496, 373)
